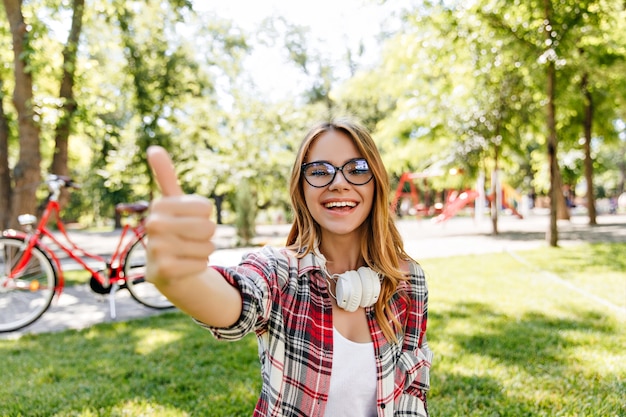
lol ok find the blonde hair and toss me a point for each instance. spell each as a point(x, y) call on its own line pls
point(382, 249)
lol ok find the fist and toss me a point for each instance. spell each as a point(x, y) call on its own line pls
point(179, 227)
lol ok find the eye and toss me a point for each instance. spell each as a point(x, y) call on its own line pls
point(318, 170)
point(359, 167)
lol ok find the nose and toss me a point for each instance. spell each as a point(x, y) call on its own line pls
point(339, 181)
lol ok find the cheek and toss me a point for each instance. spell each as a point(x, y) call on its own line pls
point(368, 197)
point(311, 198)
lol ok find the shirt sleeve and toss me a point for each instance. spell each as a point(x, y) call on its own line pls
point(256, 278)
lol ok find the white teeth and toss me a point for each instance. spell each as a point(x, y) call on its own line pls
point(340, 204)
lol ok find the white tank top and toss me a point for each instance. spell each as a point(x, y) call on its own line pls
point(353, 379)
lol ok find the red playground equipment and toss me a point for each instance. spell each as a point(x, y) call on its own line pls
point(411, 195)
point(454, 202)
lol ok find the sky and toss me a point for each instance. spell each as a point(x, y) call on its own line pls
point(334, 25)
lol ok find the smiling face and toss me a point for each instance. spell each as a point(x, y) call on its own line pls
point(339, 208)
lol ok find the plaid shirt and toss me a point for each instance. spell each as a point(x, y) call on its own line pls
point(286, 303)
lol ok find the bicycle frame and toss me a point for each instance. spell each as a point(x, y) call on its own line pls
point(37, 242)
point(112, 273)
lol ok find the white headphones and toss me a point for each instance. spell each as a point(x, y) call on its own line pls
point(353, 289)
point(356, 289)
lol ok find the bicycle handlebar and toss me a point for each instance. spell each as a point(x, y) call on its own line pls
point(56, 182)
point(62, 181)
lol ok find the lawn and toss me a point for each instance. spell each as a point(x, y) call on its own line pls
point(512, 339)
point(540, 333)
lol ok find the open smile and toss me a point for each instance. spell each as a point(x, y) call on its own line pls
point(340, 204)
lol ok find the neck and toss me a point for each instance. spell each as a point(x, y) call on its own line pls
point(342, 254)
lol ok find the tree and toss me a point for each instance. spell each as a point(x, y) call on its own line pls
point(66, 92)
point(5, 176)
point(26, 173)
point(602, 55)
point(489, 84)
point(449, 97)
point(555, 183)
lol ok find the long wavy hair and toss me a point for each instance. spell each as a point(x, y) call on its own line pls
point(382, 248)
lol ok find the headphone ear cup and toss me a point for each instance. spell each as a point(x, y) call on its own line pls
point(371, 286)
point(349, 291)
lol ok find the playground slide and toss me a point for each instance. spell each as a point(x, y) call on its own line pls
point(510, 192)
point(513, 210)
point(453, 207)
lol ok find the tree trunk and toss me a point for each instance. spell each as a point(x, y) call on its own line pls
point(562, 209)
point(5, 175)
point(59, 164)
point(495, 190)
point(552, 235)
point(621, 187)
point(26, 173)
point(587, 124)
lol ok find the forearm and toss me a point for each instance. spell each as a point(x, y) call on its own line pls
point(206, 296)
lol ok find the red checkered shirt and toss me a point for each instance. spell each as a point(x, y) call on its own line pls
point(286, 303)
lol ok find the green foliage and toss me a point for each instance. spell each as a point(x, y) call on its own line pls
point(456, 84)
point(460, 83)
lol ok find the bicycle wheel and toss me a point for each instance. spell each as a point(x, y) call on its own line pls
point(25, 296)
point(134, 271)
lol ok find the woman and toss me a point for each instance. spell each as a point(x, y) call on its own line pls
point(339, 313)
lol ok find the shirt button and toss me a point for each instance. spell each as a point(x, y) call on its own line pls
point(382, 406)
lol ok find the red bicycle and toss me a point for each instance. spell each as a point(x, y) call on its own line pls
point(31, 273)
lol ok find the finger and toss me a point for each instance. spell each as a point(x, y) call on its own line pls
point(181, 226)
point(164, 171)
point(186, 205)
point(180, 249)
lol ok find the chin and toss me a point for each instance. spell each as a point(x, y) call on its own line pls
point(340, 230)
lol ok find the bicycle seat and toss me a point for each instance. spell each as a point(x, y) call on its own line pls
point(130, 208)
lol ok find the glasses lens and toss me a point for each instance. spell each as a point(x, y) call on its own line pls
point(357, 171)
point(319, 174)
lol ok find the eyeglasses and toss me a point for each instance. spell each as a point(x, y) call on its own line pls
point(321, 173)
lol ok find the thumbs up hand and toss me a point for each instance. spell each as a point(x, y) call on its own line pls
point(180, 230)
point(179, 227)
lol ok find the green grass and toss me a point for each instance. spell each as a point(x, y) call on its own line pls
point(75, 277)
point(161, 366)
point(509, 340)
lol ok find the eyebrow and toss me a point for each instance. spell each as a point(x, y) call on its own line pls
point(356, 158)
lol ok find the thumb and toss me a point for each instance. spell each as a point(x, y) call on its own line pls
point(163, 169)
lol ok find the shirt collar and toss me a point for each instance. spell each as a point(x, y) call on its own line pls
point(312, 261)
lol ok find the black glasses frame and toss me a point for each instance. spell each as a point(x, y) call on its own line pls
point(335, 169)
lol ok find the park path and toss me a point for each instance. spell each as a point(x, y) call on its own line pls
point(78, 307)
